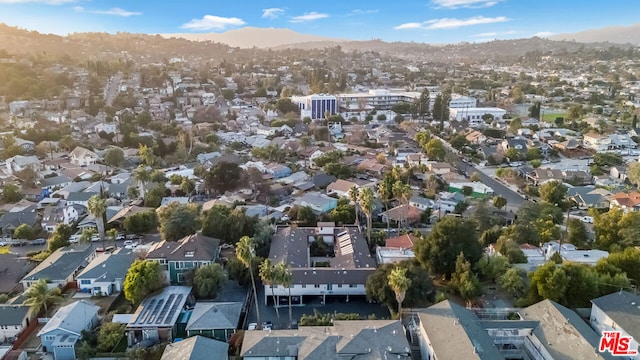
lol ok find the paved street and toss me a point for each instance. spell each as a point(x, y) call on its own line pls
point(514, 200)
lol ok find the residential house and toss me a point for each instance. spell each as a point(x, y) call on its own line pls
point(61, 333)
point(72, 187)
point(343, 276)
point(83, 157)
point(439, 168)
point(354, 339)
point(11, 220)
point(372, 166)
point(80, 198)
point(26, 145)
point(396, 249)
point(214, 320)
point(569, 252)
point(155, 320)
point(319, 203)
point(206, 158)
point(196, 348)
point(587, 197)
point(125, 212)
point(475, 137)
point(622, 141)
point(618, 311)
point(19, 162)
point(321, 180)
point(178, 258)
point(61, 267)
point(278, 171)
point(618, 173)
point(421, 203)
point(13, 320)
point(105, 274)
point(447, 202)
point(106, 128)
point(514, 143)
point(478, 189)
point(448, 331)
point(50, 184)
point(12, 268)
point(61, 214)
point(404, 214)
point(341, 187)
point(626, 201)
point(597, 142)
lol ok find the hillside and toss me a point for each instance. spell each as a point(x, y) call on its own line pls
point(612, 34)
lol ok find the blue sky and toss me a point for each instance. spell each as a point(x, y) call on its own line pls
point(429, 21)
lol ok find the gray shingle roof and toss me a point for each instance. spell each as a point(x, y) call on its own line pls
point(11, 315)
point(215, 315)
point(624, 309)
point(202, 248)
point(12, 269)
point(80, 196)
point(368, 339)
point(108, 267)
point(61, 264)
point(196, 348)
point(72, 318)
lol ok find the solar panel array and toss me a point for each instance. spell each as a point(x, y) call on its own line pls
point(345, 243)
point(160, 311)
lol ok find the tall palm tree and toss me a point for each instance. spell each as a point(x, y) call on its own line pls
point(39, 296)
point(142, 176)
point(112, 234)
point(399, 283)
point(402, 191)
point(285, 277)
point(305, 141)
point(366, 203)
point(87, 234)
point(354, 193)
point(268, 275)
point(246, 253)
point(383, 193)
point(97, 207)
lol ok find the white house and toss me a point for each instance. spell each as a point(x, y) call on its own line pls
point(109, 128)
point(618, 311)
point(105, 274)
point(344, 275)
point(83, 157)
point(13, 320)
point(596, 141)
point(19, 162)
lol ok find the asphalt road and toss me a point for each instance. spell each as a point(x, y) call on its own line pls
point(514, 200)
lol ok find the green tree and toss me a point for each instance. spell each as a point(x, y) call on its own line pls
point(549, 281)
point(228, 225)
point(451, 236)
point(143, 278)
point(109, 335)
point(87, 234)
point(354, 193)
point(223, 177)
point(464, 281)
point(208, 280)
point(553, 192)
point(607, 228)
point(499, 201)
point(114, 157)
point(627, 261)
point(147, 156)
point(267, 272)
point(492, 267)
point(577, 232)
point(402, 192)
point(39, 296)
point(141, 222)
point(435, 150)
point(142, 176)
point(11, 194)
point(582, 285)
point(60, 237)
point(633, 172)
point(399, 283)
point(420, 292)
point(246, 253)
point(366, 204)
point(178, 220)
point(513, 281)
point(24, 231)
point(458, 141)
point(97, 207)
point(515, 125)
point(284, 276)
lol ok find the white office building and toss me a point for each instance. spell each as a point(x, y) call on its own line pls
point(460, 102)
point(380, 99)
point(474, 114)
point(315, 106)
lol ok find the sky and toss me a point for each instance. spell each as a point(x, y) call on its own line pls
point(425, 21)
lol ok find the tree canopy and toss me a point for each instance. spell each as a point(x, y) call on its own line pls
point(419, 294)
point(178, 220)
point(143, 277)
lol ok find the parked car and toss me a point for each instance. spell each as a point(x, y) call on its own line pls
point(40, 241)
point(267, 325)
point(252, 326)
point(121, 237)
point(587, 219)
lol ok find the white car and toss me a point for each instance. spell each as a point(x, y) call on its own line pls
point(130, 244)
point(252, 326)
point(587, 219)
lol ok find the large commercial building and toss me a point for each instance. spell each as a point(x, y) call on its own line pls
point(460, 102)
point(316, 106)
point(474, 114)
point(379, 99)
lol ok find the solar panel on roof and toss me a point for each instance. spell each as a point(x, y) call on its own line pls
point(147, 311)
point(165, 308)
point(175, 306)
point(154, 312)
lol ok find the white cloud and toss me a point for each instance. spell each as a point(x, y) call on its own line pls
point(495, 33)
point(308, 17)
point(543, 34)
point(469, 4)
point(363, 12)
point(272, 13)
point(212, 22)
point(451, 23)
point(112, 11)
point(48, 2)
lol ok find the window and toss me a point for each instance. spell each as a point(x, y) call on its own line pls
point(179, 264)
point(353, 285)
point(304, 286)
point(49, 338)
point(85, 282)
point(316, 286)
point(181, 278)
point(339, 285)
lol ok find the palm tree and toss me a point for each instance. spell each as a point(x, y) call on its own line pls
point(39, 296)
point(354, 192)
point(383, 193)
point(285, 277)
point(87, 234)
point(305, 141)
point(269, 277)
point(246, 253)
point(112, 234)
point(366, 203)
point(97, 208)
point(399, 283)
point(142, 175)
point(402, 191)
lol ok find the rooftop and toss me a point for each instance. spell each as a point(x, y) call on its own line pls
point(73, 318)
point(196, 348)
point(215, 315)
point(624, 309)
point(161, 309)
point(196, 247)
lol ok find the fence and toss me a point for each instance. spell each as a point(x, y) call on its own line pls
point(26, 333)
